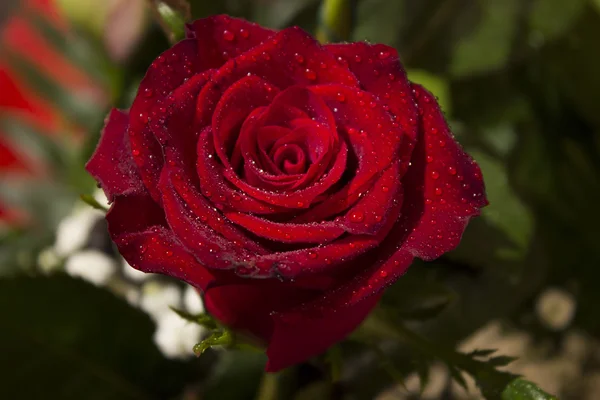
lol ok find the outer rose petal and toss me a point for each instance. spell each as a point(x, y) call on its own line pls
point(112, 164)
point(296, 338)
point(379, 71)
point(170, 70)
point(221, 37)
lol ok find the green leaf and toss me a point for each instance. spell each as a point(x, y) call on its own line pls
point(217, 338)
point(552, 18)
point(520, 389)
point(202, 319)
point(335, 20)
point(415, 297)
point(92, 202)
point(378, 21)
point(79, 342)
point(488, 46)
point(172, 15)
point(282, 13)
point(505, 211)
point(237, 375)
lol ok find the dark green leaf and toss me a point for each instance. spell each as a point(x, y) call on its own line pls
point(520, 389)
point(488, 46)
point(79, 342)
point(236, 376)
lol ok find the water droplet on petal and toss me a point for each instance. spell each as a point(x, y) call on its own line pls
point(383, 274)
point(340, 97)
point(310, 74)
point(452, 170)
point(312, 254)
point(357, 58)
point(229, 36)
point(435, 174)
point(168, 253)
point(357, 216)
point(135, 152)
point(384, 54)
point(299, 58)
point(438, 191)
point(244, 33)
point(429, 159)
point(385, 189)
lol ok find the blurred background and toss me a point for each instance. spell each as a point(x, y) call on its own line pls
point(519, 82)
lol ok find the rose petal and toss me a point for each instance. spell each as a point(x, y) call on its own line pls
point(209, 246)
point(112, 163)
point(380, 72)
point(221, 37)
point(296, 338)
point(137, 226)
point(165, 74)
point(425, 230)
point(290, 57)
point(217, 189)
point(286, 232)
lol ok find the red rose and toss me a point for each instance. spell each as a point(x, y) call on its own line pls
point(291, 182)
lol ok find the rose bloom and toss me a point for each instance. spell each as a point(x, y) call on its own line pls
point(290, 182)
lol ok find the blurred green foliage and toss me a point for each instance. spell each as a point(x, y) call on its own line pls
point(519, 83)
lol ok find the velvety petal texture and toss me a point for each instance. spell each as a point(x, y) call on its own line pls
point(289, 182)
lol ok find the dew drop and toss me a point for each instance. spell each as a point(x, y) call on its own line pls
point(438, 191)
point(357, 216)
point(340, 97)
point(352, 131)
point(244, 33)
point(383, 274)
point(310, 74)
point(168, 253)
point(312, 254)
point(300, 204)
point(135, 152)
point(299, 58)
point(384, 55)
point(435, 174)
point(357, 58)
point(429, 159)
point(229, 36)
point(148, 92)
point(452, 170)
point(385, 189)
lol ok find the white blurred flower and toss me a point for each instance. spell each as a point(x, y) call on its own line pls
point(176, 337)
point(157, 297)
point(48, 260)
point(91, 265)
point(134, 274)
point(555, 308)
point(192, 301)
point(73, 232)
